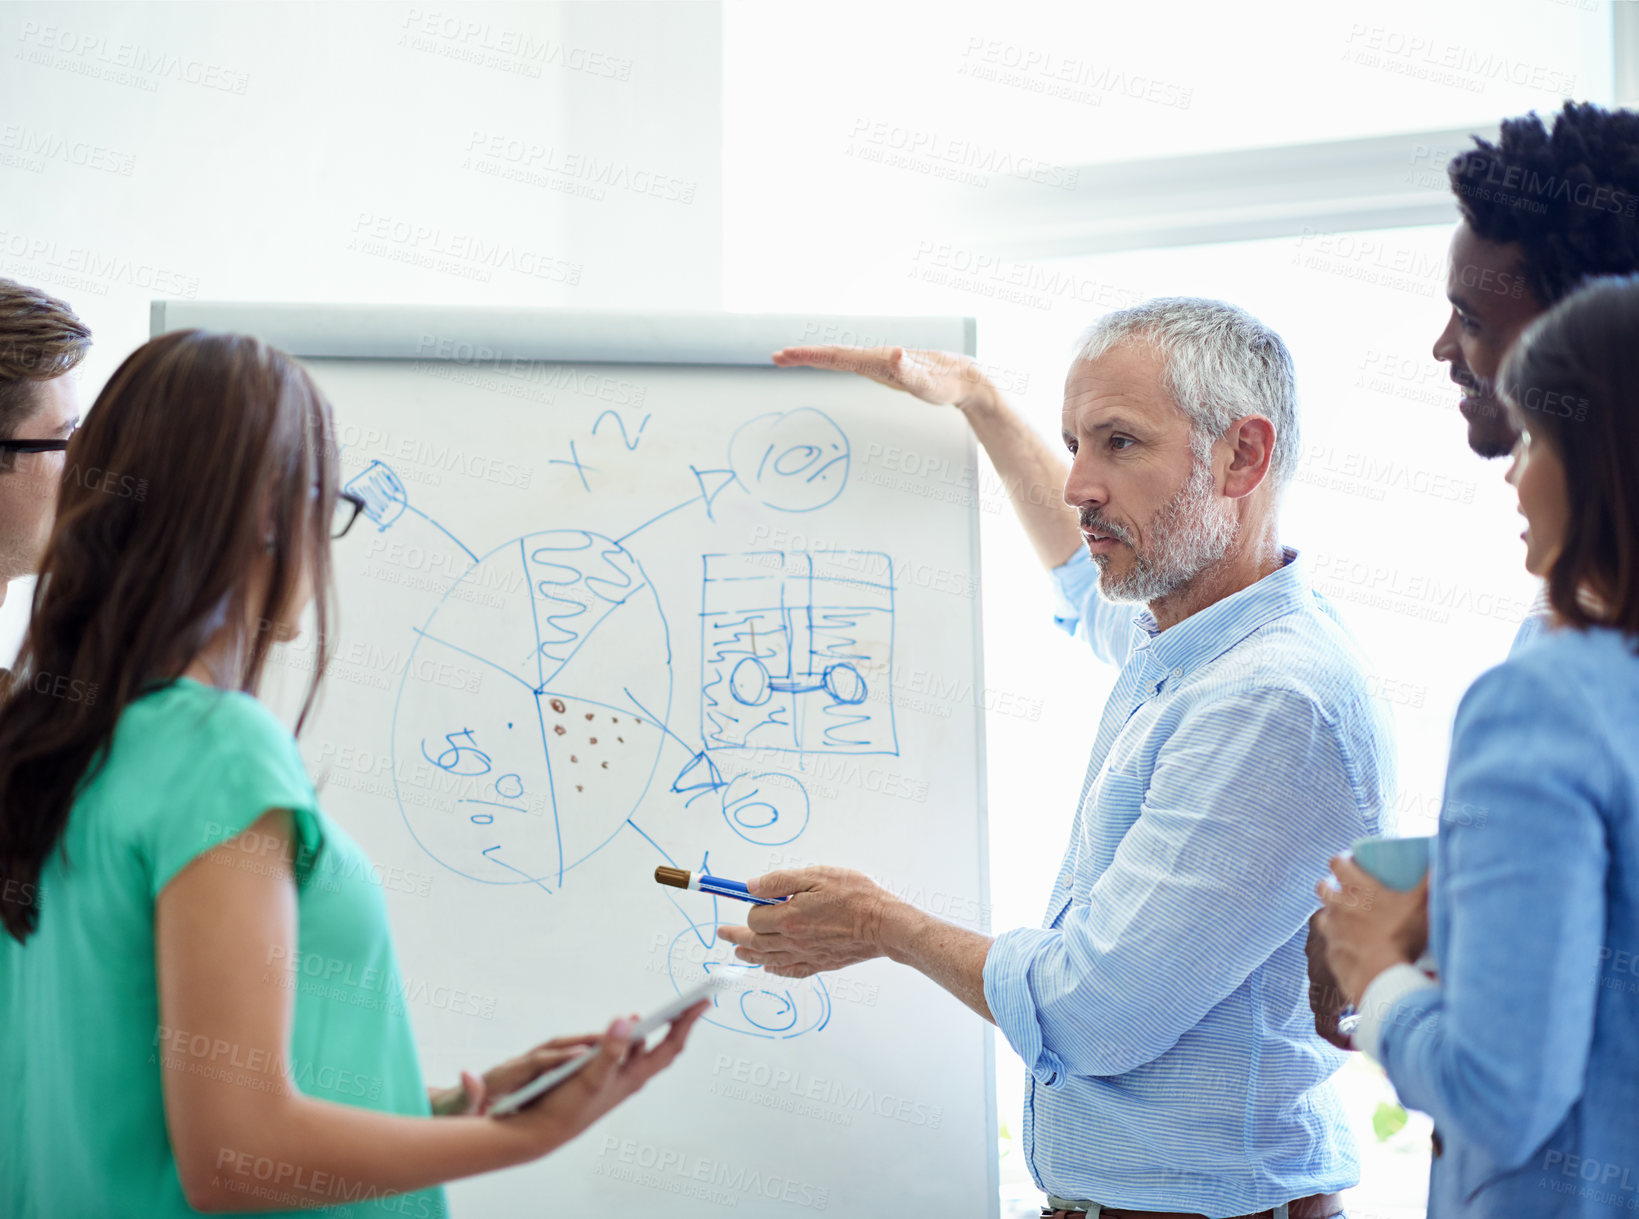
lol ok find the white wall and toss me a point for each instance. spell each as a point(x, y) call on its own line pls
point(538, 154)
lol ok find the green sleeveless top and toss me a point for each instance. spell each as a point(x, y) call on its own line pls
point(82, 1117)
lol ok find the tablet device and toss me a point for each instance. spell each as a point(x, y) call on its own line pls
point(543, 1083)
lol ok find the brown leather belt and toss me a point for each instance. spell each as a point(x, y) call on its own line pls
point(1315, 1206)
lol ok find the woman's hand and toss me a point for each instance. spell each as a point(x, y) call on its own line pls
point(1369, 926)
point(475, 1094)
point(620, 1068)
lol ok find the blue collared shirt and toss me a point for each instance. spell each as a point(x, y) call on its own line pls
point(1540, 618)
point(1525, 1054)
point(1162, 1007)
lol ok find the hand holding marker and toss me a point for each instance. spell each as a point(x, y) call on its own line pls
point(716, 885)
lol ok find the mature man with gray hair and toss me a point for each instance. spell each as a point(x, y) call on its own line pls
point(1161, 1008)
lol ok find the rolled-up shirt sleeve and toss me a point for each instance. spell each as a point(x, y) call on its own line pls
point(1249, 798)
point(1080, 610)
point(1500, 1049)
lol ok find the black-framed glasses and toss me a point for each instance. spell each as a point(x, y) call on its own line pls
point(33, 446)
point(348, 507)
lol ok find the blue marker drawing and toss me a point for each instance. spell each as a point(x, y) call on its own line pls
point(385, 500)
point(796, 461)
point(631, 442)
point(770, 809)
point(576, 464)
point(796, 652)
point(712, 484)
point(549, 714)
point(770, 1007)
point(531, 717)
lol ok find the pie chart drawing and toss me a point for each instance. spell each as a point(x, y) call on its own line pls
point(529, 719)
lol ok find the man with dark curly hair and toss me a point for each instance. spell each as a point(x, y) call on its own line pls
point(1542, 210)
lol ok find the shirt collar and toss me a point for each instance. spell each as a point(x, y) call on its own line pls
point(1209, 633)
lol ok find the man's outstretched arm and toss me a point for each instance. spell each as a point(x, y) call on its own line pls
point(1208, 883)
point(840, 918)
point(1032, 470)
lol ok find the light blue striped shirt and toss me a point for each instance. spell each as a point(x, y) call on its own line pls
point(1162, 1008)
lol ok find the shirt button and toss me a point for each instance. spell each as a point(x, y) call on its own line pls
point(1177, 672)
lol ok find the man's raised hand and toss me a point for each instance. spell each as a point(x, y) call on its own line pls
point(940, 377)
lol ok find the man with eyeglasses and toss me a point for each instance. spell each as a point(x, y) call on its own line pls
point(41, 343)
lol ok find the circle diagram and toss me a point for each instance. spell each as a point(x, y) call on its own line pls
point(528, 723)
point(763, 1005)
point(770, 809)
point(794, 462)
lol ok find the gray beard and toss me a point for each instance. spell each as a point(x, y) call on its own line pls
point(1188, 535)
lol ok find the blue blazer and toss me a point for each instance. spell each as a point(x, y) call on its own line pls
point(1527, 1052)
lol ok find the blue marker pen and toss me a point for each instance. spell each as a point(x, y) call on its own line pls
point(716, 885)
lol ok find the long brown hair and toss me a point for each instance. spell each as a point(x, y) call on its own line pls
point(211, 453)
point(1572, 380)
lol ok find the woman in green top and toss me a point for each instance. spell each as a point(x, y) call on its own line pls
point(166, 874)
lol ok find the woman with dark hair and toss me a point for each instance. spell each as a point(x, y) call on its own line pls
point(165, 866)
point(1524, 1051)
